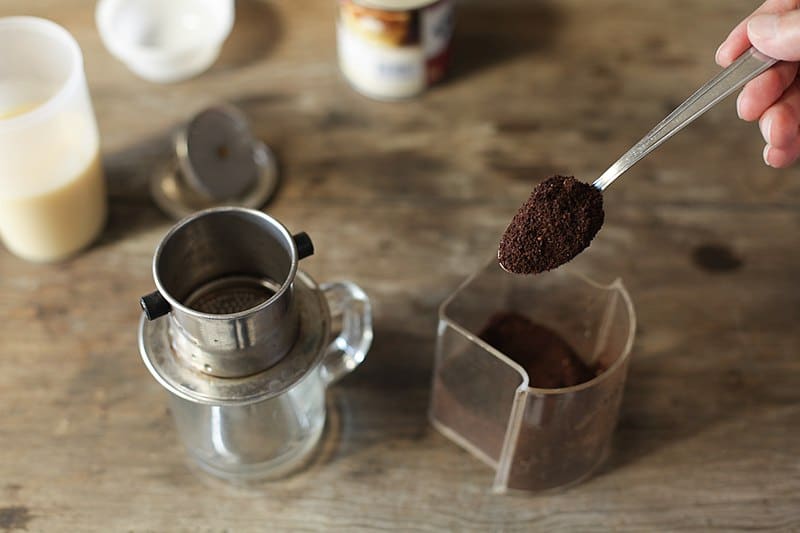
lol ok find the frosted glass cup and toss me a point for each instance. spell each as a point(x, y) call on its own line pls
point(535, 439)
point(52, 190)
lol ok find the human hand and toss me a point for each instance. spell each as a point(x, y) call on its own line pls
point(773, 98)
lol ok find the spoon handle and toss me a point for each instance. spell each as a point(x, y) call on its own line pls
point(745, 68)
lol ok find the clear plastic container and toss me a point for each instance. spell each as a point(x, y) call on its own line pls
point(535, 439)
point(52, 190)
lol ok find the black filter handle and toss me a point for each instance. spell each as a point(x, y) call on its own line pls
point(154, 305)
point(304, 245)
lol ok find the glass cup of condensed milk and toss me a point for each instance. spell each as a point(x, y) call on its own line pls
point(52, 189)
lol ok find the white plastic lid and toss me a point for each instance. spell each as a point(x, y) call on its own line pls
point(165, 41)
point(396, 5)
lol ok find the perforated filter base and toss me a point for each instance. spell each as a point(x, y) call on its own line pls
point(231, 294)
point(190, 384)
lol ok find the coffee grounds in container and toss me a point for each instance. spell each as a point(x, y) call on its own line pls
point(548, 359)
point(560, 437)
point(556, 223)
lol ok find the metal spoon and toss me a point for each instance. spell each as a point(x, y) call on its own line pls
point(748, 66)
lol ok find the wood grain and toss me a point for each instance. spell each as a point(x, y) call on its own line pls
point(407, 199)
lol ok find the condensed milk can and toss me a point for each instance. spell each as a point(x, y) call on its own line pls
point(394, 49)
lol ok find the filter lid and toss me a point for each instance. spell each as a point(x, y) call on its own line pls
point(217, 162)
point(215, 153)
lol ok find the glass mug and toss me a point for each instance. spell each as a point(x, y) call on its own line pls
point(52, 189)
point(535, 439)
point(246, 343)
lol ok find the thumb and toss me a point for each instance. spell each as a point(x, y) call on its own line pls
point(777, 35)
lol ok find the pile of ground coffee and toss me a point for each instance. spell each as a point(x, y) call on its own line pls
point(558, 222)
point(550, 362)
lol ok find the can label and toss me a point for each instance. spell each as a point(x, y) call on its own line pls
point(394, 53)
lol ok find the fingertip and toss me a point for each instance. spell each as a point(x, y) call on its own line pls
point(784, 127)
point(739, 105)
point(784, 117)
point(723, 55)
point(765, 125)
point(750, 105)
point(732, 47)
point(779, 158)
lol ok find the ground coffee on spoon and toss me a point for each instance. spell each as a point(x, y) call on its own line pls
point(556, 223)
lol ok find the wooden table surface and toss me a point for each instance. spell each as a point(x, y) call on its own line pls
point(407, 199)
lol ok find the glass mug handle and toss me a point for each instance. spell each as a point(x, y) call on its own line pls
point(351, 322)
